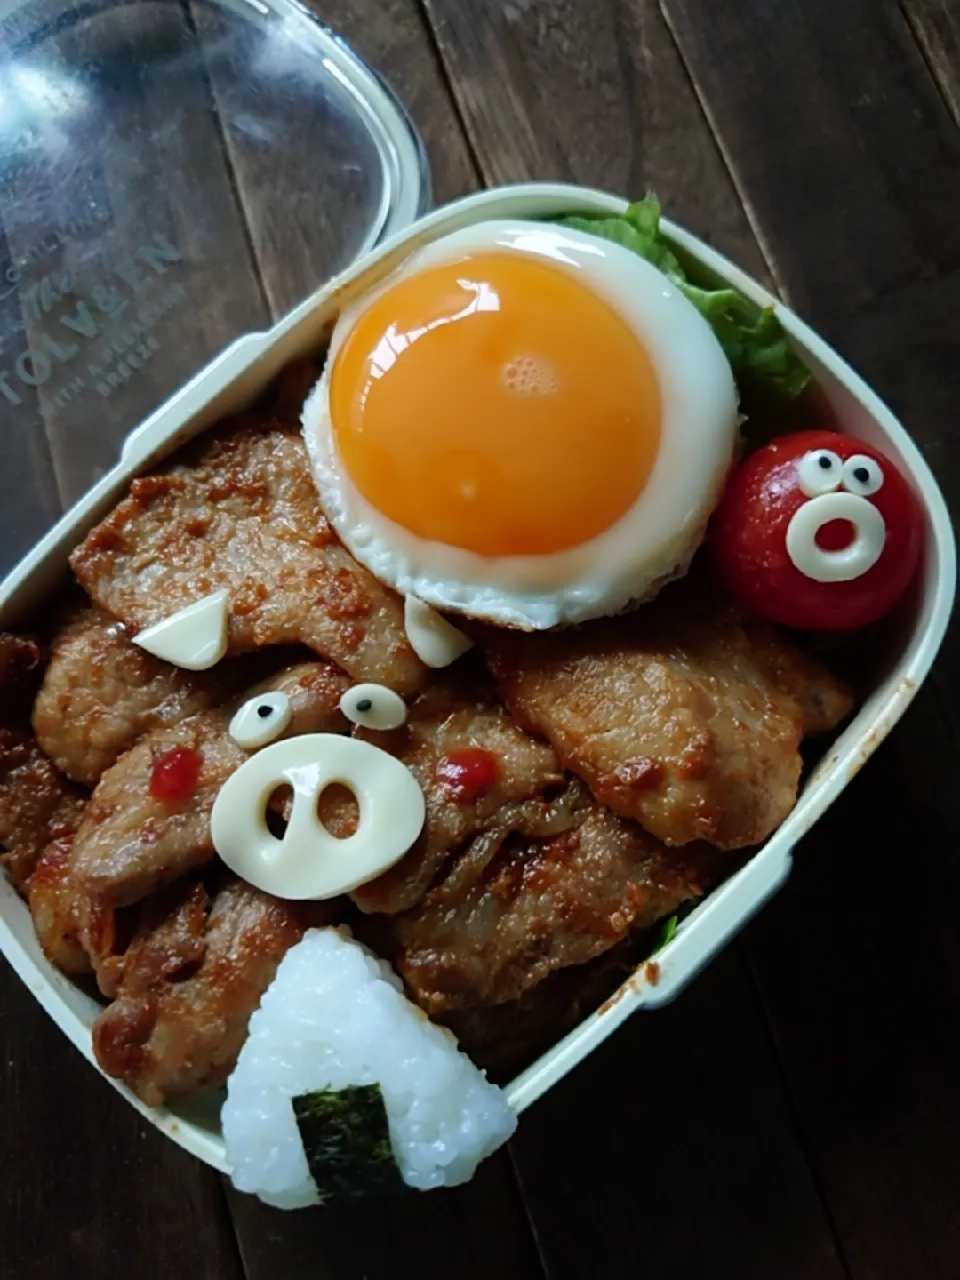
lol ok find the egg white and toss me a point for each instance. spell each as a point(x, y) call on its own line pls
point(651, 543)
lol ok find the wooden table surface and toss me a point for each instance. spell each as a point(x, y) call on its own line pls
point(796, 1114)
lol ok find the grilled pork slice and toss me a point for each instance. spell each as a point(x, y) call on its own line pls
point(505, 919)
point(503, 1039)
point(21, 669)
point(478, 772)
point(37, 804)
point(191, 978)
point(78, 933)
point(100, 693)
point(240, 511)
point(75, 932)
point(53, 906)
point(681, 715)
point(131, 843)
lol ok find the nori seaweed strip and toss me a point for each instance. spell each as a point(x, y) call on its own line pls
point(346, 1140)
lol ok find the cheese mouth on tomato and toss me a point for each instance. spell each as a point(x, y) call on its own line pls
point(818, 531)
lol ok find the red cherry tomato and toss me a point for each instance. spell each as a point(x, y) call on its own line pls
point(175, 774)
point(469, 773)
point(818, 531)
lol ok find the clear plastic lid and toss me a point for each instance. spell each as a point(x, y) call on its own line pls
point(173, 174)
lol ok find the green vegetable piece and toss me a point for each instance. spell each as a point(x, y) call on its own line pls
point(752, 337)
point(346, 1140)
point(669, 930)
point(667, 933)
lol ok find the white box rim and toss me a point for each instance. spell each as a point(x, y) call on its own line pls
point(731, 905)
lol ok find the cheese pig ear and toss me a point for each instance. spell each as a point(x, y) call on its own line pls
point(194, 638)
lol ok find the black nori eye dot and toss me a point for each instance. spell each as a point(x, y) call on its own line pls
point(825, 461)
point(861, 474)
point(365, 704)
point(263, 711)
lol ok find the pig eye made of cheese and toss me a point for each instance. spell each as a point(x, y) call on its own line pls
point(308, 862)
point(261, 720)
point(373, 706)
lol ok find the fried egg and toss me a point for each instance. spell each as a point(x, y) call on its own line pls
point(525, 424)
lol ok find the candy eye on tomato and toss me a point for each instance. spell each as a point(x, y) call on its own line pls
point(862, 475)
point(817, 531)
point(819, 471)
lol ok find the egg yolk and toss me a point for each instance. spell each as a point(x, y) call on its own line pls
point(496, 404)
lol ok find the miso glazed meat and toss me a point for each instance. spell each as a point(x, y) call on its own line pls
point(240, 512)
point(578, 785)
point(136, 836)
point(77, 932)
point(100, 693)
point(510, 914)
point(21, 668)
point(191, 978)
point(682, 716)
point(37, 804)
point(456, 725)
point(427, 748)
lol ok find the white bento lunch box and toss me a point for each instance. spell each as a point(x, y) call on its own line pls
point(244, 371)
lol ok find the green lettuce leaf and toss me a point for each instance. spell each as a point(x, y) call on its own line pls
point(666, 933)
point(751, 336)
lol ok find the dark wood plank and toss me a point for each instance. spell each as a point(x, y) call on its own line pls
point(834, 136)
point(90, 1190)
point(870, 1063)
point(859, 966)
point(139, 267)
point(679, 1126)
point(394, 39)
point(479, 1230)
point(936, 25)
point(95, 1188)
point(89, 1180)
point(303, 167)
point(838, 139)
point(284, 133)
point(593, 94)
point(474, 1232)
point(672, 1151)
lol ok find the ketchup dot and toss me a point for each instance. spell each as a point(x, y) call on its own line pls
point(175, 774)
point(469, 773)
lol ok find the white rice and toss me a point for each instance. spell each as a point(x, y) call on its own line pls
point(335, 1016)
